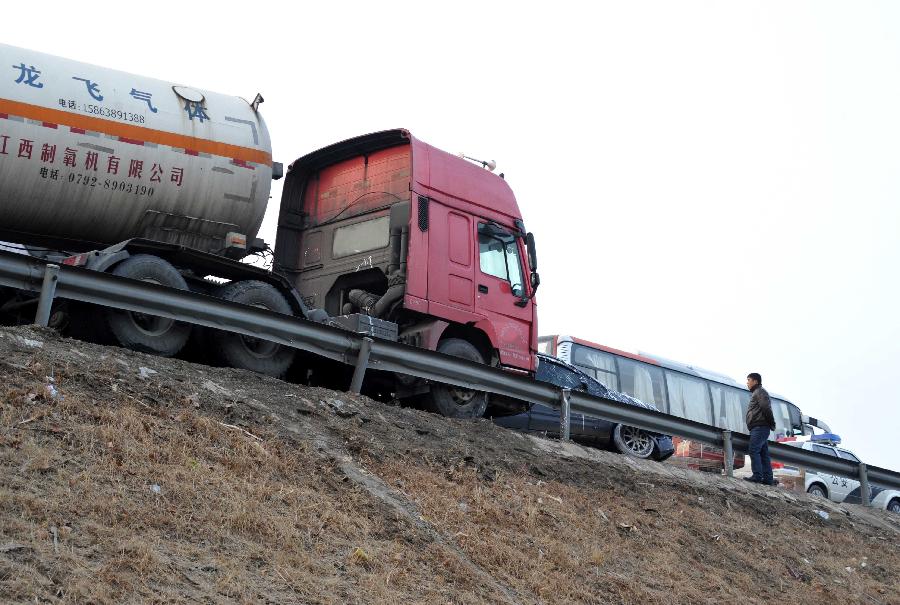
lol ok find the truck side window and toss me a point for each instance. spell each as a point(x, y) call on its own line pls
point(372, 234)
point(499, 256)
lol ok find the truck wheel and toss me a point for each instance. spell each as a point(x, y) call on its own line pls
point(246, 352)
point(452, 401)
point(632, 442)
point(139, 331)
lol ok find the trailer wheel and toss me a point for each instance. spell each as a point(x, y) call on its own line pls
point(246, 352)
point(453, 401)
point(139, 331)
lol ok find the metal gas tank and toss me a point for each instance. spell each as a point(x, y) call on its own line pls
point(100, 156)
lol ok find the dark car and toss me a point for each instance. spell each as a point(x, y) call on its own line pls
point(588, 430)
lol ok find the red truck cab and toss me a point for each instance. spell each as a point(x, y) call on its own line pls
point(391, 227)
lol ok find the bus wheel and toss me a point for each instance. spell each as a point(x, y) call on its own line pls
point(632, 442)
point(817, 491)
point(245, 352)
point(139, 331)
point(452, 401)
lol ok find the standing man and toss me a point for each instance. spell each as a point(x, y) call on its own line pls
point(760, 421)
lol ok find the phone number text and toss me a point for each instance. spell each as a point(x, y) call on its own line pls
point(108, 112)
point(87, 180)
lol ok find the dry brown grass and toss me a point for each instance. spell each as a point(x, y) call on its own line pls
point(235, 520)
point(568, 544)
point(254, 504)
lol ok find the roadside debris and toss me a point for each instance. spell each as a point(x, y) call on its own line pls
point(50, 391)
point(359, 555)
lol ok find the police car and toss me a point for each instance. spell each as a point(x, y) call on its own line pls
point(825, 485)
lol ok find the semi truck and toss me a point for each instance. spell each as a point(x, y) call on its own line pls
point(161, 182)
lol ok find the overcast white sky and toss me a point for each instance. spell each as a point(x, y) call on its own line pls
point(714, 182)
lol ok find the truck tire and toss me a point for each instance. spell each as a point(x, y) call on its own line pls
point(452, 401)
point(139, 331)
point(245, 352)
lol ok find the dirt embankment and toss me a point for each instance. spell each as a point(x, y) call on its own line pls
point(129, 478)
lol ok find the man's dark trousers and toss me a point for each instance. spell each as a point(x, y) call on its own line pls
point(759, 454)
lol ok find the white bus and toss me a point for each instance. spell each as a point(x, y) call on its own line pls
point(681, 390)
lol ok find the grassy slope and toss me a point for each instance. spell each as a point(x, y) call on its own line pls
point(195, 484)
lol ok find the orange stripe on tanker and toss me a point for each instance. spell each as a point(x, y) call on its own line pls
point(132, 133)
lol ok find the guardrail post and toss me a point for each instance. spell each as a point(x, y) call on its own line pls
point(729, 453)
point(564, 414)
point(48, 291)
point(864, 485)
point(362, 362)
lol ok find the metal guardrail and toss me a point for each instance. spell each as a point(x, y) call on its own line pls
point(31, 274)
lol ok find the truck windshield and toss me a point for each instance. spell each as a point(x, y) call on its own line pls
point(499, 256)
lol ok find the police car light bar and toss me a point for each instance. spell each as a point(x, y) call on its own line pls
point(826, 439)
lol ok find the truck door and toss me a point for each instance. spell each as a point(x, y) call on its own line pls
point(451, 271)
point(500, 289)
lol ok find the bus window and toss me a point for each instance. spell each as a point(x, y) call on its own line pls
point(688, 397)
point(599, 364)
point(782, 418)
point(730, 407)
point(643, 381)
point(796, 419)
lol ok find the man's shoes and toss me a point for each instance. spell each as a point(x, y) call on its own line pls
point(752, 479)
point(772, 482)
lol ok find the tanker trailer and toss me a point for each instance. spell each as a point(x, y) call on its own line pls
point(147, 180)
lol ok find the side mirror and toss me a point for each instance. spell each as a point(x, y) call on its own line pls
point(532, 251)
point(535, 281)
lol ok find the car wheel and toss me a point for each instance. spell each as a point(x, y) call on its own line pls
point(894, 505)
point(632, 441)
point(817, 491)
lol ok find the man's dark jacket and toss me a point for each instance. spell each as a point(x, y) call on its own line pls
point(759, 412)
